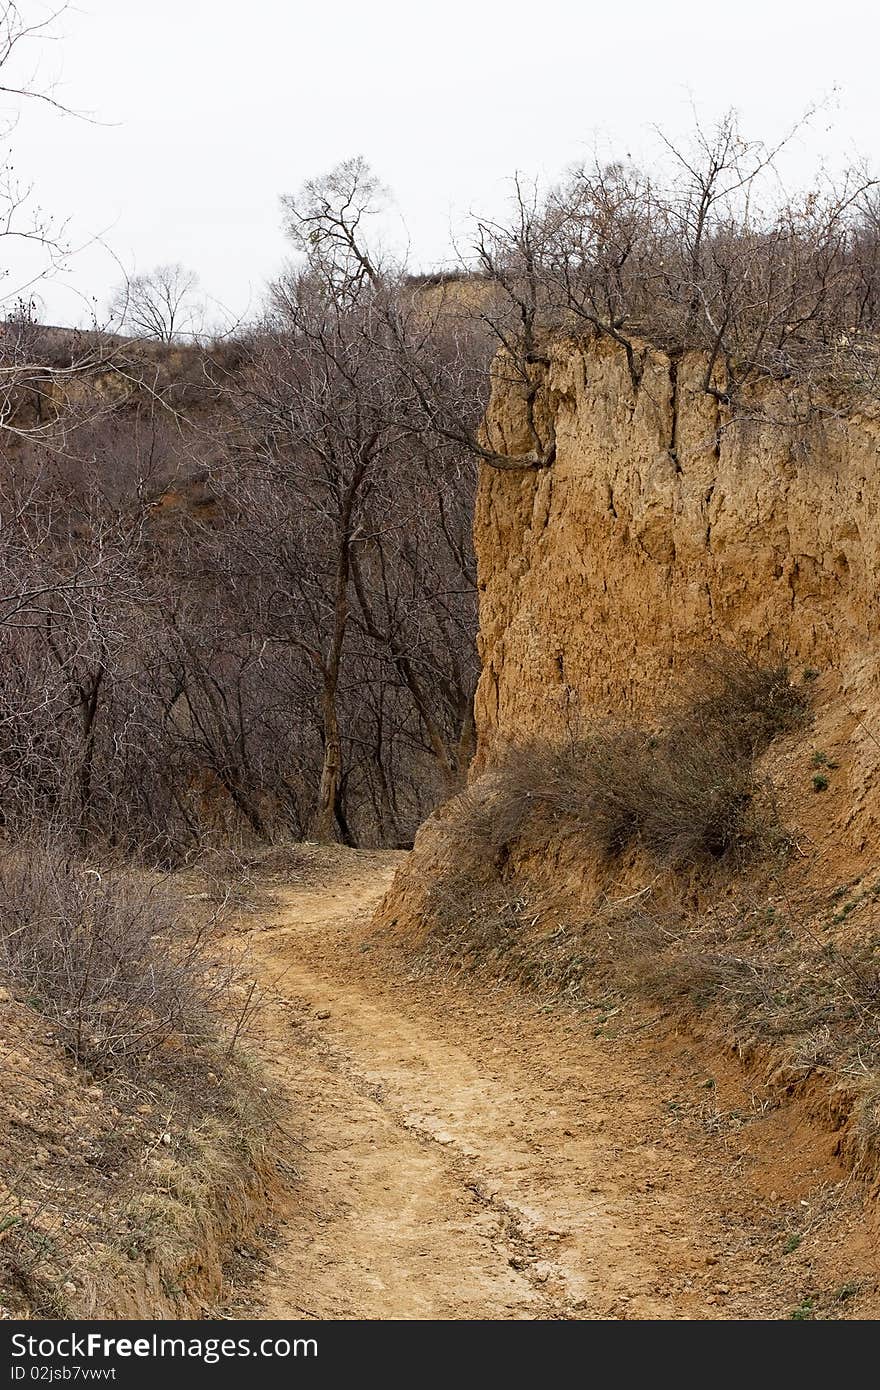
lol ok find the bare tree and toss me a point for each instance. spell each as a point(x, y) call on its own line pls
point(713, 257)
point(34, 242)
point(161, 305)
point(352, 412)
point(21, 220)
point(115, 698)
point(327, 221)
point(319, 416)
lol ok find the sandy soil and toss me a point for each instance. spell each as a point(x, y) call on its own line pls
point(465, 1152)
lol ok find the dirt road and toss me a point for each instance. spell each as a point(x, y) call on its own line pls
point(465, 1152)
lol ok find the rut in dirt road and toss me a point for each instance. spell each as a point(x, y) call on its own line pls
point(467, 1153)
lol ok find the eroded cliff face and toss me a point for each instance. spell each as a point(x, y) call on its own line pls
point(664, 527)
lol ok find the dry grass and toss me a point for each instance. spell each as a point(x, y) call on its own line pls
point(686, 792)
point(752, 701)
point(127, 983)
point(546, 944)
point(124, 1026)
point(681, 796)
point(768, 976)
point(797, 973)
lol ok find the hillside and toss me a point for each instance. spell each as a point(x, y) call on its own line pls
point(673, 806)
point(623, 996)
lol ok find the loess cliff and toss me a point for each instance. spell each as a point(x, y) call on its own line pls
point(663, 528)
point(664, 532)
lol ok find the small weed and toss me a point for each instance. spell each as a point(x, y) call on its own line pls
point(821, 759)
point(791, 1244)
point(820, 782)
point(847, 908)
point(847, 1291)
point(804, 1312)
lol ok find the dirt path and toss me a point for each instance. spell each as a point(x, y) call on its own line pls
point(466, 1153)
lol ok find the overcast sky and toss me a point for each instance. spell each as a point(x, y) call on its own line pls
point(209, 109)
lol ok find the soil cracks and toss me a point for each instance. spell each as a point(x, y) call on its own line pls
point(465, 1152)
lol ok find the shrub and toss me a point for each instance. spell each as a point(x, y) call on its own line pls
point(680, 798)
point(693, 797)
point(126, 983)
point(591, 781)
point(746, 703)
point(686, 792)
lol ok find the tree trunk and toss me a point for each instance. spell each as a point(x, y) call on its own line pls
point(324, 819)
point(88, 700)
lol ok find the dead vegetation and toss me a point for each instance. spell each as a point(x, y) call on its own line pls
point(684, 795)
point(125, 983)
point(761, 969)
point(685, 792)
point(131, 1103)
point(709, 256)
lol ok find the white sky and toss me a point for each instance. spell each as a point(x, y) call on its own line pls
point(212, 108)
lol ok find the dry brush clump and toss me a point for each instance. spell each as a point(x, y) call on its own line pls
point(682, 797)
point(750, 700)
point(687, 794)
point(126, 982)
point(125, 1019)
